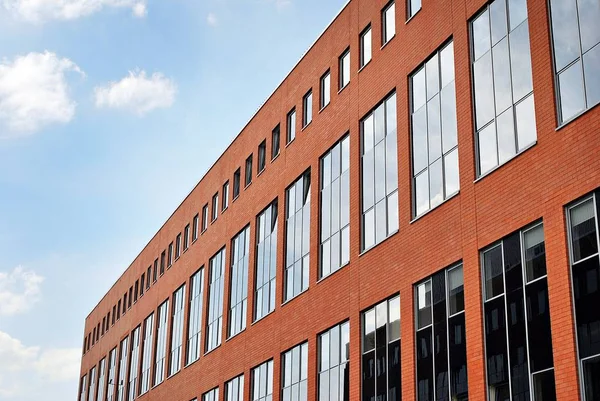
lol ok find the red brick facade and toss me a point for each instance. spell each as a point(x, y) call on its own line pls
point(537, 184)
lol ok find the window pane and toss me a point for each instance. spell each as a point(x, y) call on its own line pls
point(424, 305)
point(506, 135)
point(520, 61)
point(452, 178)
point(447, 64)
point(526, 130)
point(448, 99)
point(572, 100)
point(535, 253)
point(414, 6)
point(589, 15)
point(583, 231)
point(392, 208)
point(369, 229)
point(432, 73)
point(591, 69)
point(564, 32)
point(434, 129)
point(502, 80)
point(494, 279)
point(366, 47)
point(498, 21)
point(543, 386)
point(518, 12)
point(481, 35)
point(591, 373)
point(394, 324)
point(390, 22)
point(422, 192)
point(418, 89)
point(419, 140)
point(484, 90)
point(488, 156)
point(456, 296)
point(436, 184)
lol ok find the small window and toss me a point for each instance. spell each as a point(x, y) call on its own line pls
point(275, 142)
point(262, 156)
point(178, 246)
point(412, 7)
point(215, 207)
point(325, 89)
point(225, 201)
point(142, 282)
point(125, 303)
point(130, 297)
point(136, 291)
point(236, 183)
point(366, 44)
point(148, 277)
point(114, 312)
point(204, 217)
point(195, 227)
point(119, 310)
point(389, 22)
point(307, 109)
point(155, 272)
point(345, 69)
point(186, 237)
point(163, 257)
point(248, 180)
point(170, 255)
point(291, 126)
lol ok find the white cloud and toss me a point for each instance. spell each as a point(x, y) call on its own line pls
point(19, 291)
point(38, 11)
point(212, 20)
point(137, 93)
point(34, 91)
point(58, 364)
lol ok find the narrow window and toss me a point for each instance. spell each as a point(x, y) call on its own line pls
point(212, 395)
point(236, 183)
point(412, 7)
point(238, 290)
point(112, 373)
point(125, 303)
point(113, 315)
point(170, 255)
point(142, 282)
point(204, 217)
point(295, 373)
point(335, 208)
point(262, 382)
point(297, 237)
point(147, 354)
point(291, 126)
point(275, 138)
point(122, 368)
point(234, 389)
point(225, 194)
point(344, 69)
point(266, 262)
point(101, 380)
point(119, 310)
point(195, 317)
point(178, 246)
point(325, 89)
point(130, 298)
point(307, 109)
point(333, 364)
point(186, 237)
point(214, 327)
point(248, 179)
point(388, 17)
point(379, 174)
point(134, 365)
point(148, 277)
point(177, 330)
point(366, 45)
point(83, 388)
point(195, 227)
point(215, 207)
point(502, 84)
point(92, 384)
point(160, 352)
point(162, 264)
point(262, 156)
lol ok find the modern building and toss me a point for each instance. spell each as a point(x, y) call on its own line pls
point(412, 214)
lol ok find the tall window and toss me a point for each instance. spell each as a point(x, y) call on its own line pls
point(178, 246)
point(248, 179)
point(154, 272)
point(237, 179)
point(123, 352)
point(134, 366)
point(214, 327)
point(297, 227)
point(147, 354)
point(434, 139)
point(503, 89)
point(262, 156)
point(379, 168)
point(262, 382)
point(576, 36)
point(195, 227)
point(325, 89)
point(266, 261)
point(388, 17)
point(161, 342)
point(412, 7)
point(83, 388)
point(204, 217)
point(234, 389)
point(295, 373)
point(186, 237)
point(177, 330)
point(195, 318)
point(211, 395)
point(307, 109)
point(366, 46)
point(238, 290)
point(215, 207)
point(440, 339)
point(225, 200)
point(92, 387)
point(381, 352)
point(112, 373)
point(101, 380)
point(334, 369)
point(344, 67)
point(335, 208)
point(169, 264)
point(584, 243)
point(518, 339)
point(275, 139)
point(291, 126)
point(163, 256)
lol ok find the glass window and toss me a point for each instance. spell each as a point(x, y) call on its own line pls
point(225, 200)
point(262, 382)
point(503, 89)
point(266, 261)
point(297, 237)
point(154, 272)
point(212, 395)
point(412, 7)
point(335, 207)
point(147, 354)
point(83, 388)
point(379, 174)
point(195, 228)
point(134, 364)
point(160, 352)
point(380, 335)
point(177, 247)
point(177, 330)
point(92, 385)
point(575, 39)
point(434, 135)
point(236, 183)
point(295, 374)
point(291, 126)
point(204, 217)
point(238, 290)
point(307, 109)
point(195, 317)
point(275, 142)
point(215, 300)
point(101, 380)
point(234, 389)
point(163, 256)
point(112, 372)
point(334, 369)
point(248, 171)
point(344, 69)
point(366, 44)
point(215, 207)
point(169, 264)
point(262, 156)
point(389, 22)
point(123, 352)
point(325, 89)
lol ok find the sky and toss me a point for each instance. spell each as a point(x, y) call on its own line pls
point(110, 113)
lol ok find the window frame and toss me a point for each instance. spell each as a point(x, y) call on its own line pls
point(262, 157)
point(364, 58)
point(291, 123)
point(343, 80)
point(225, 196)
point(307, 108)
point(275, 142)
point(384, 22)
point(325, 90)
point(248, 171)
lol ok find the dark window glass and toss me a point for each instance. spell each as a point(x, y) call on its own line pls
point(591, 374)
point(186, 237)
point(204, 217)
point(195, 227)
point(236, 183)
point(584, 242)
point(291, 126)
point(275, 138)
point(307, 109)
point(248, 178)
point(215, 207)
point(493, 271)
point(225, 196)
point(535, 253)
point(262, 155)
point(178, 246)
point(170, 255)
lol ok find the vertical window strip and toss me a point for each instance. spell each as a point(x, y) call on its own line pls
point(234, 389)
point(112, 372)
point(161, 342)
point(295, 373)
point(389, 22)
point(195, 318)
point(92, 385)
point(215, 301)
point(266, 262)
point(177, 330)
point(124, 349)
point(134, 365)
point(262, 382)
point(212, 395)
point(334, 366)
point(291, 126)
point(147, 354)
point(83, 388)
point(101, 380)
point(238, 290)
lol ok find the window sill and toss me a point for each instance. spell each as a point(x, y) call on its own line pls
point(203, 231)
point(260, 172)
point(306, 126)
point(290, 142)
point(259, 320)
point(365, 65)
point(247, 185)
point(295, 297)
point(331, 274)
point(498, 167)
point(575, 117)
point(275, 157)
point(191, 363)
point(343, 87)
point(419, 217)
point(414, 15)
point(234, 199)
point(376, 245)
point(389, 40)
point(224, 209)
point(235, 335)
point(212, 350)
point(213, 221)
point(174, 374)
point(324, 107)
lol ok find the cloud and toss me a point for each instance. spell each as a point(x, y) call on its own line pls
point(34, 91)
point(212, 20)
point(280, 4)
point(38, 11)
point(137, 93)
point(24, 367)
point(19, 291)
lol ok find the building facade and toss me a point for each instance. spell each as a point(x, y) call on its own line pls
point(412, 215)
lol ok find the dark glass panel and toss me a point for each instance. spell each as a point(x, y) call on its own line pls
point(381, 371)
point(591, 379)
point(394, 382)
point(538, 325)
point(458, 358)
point(586, 284)
point(583, 231)
point(424, 365)
point(494, 281)
point(440, 342)
point(535, 253)
point(345, 385)
point(512, 263)
point(517, 344)
point(456, 290)
point(496, 347)
point(543, 386)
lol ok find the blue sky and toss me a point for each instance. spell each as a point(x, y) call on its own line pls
point(110, 112)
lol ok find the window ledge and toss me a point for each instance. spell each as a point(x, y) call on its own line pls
point(261, 319)
point(419, 217)
point(275, 157)
point(235, 335)
point(498, 167)
point(260, 172)
point(191, 363)
point(212, 350)
point(236, 198)
point(290, 142)
point(376, 245)
point(414, 15)
point(174, 374)
point(366, 64)
point(331, 274)
point(575, 117)
point(224, 209)
point(389, 40)
point(295, 297)
point(324, 107)
point(247, 185)
point(306, 126)
point(343, 87)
